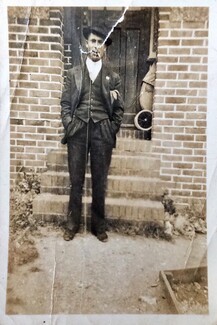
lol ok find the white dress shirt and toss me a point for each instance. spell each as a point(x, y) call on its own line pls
point(93, 68)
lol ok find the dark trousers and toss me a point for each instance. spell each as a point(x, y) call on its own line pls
point(97, 140)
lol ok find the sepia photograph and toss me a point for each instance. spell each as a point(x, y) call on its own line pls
point(108, 140)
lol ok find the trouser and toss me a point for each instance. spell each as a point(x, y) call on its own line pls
point(97, 140)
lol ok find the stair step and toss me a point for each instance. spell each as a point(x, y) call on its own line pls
point(117, 186)
point(120, 164)
point(50, 207)
point(132, 147)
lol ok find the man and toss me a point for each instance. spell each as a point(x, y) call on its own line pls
point(92, 112)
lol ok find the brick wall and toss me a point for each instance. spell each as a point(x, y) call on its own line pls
point(179, 126)
point(36, 65)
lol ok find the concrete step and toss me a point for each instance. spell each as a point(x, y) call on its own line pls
point(146, 166)
point(117, 186)
point(51, 207)
point(123, 147)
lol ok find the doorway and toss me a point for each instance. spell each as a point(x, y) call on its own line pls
point(127, 54)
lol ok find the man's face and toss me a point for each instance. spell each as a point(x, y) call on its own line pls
point(95, 47)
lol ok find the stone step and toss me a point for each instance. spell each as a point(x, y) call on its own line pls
point(146, 166)
point(50, 207)
point(117, 186)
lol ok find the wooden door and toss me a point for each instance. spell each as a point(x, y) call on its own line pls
point(128, 52)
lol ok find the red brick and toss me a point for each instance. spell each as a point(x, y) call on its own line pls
point(166, 178)
point(166, 75)
point(200, 51)
point(55, 70)
point(30, 136)
point(28, 84)
point(170, 25)
point(27, 100)
point(29, 70)
point(21, 92)
point(194, 158)
point(201, 124)
point(172, 144)
point(163, 122)
point(183, 137)
point(193, 145)
point(180, 51)
point(39, 77)
point(57, 78)
point(28, 115)
point(168, 42)
point(176, 100)
point(49, 22)
point(50, 55)
point(202, 92)
point(163, 136)
point(200, 138)
point(50, 86)
point(16, 135)
point(188, 76)
point(178, 67)
point(196, 116)
point(39, 93)
point(186, 92)
point(202, 109)
point(171, 158)
point(195, 130)
point(169, 171)
point(190, 59)
point(180, 193)
point(198, 84)
point(47, 144)
point(200, 166)
point(174, 115)
point(183, 152)
point(34, 150)
point(49, 101)
point(163, 33)
point(167, 59)
point(201, 33)
point(201, 67)
point(162, 51)
point(26, 143)
point(200, 152)
point(38, 46)
point(181, 33)
point(38, 30)
point(26, 128)
point(17, 29)
point(204, 76)
point(33, 163)
point(194, 25)
point(192, 42)
point(191, 172)
point(40, 108)
point(177, 84)
point(182, 165)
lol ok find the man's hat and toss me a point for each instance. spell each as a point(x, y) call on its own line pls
point(99, 31)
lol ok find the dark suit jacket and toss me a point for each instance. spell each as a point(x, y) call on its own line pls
point(72, 94)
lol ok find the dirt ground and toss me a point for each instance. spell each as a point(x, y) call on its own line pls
point(85, 276)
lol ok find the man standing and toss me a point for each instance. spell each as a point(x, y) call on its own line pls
point(92, 112)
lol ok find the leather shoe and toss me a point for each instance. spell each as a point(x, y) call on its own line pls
point(102, 236)
point(69, 234)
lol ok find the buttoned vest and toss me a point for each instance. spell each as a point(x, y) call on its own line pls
point(91, 104)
